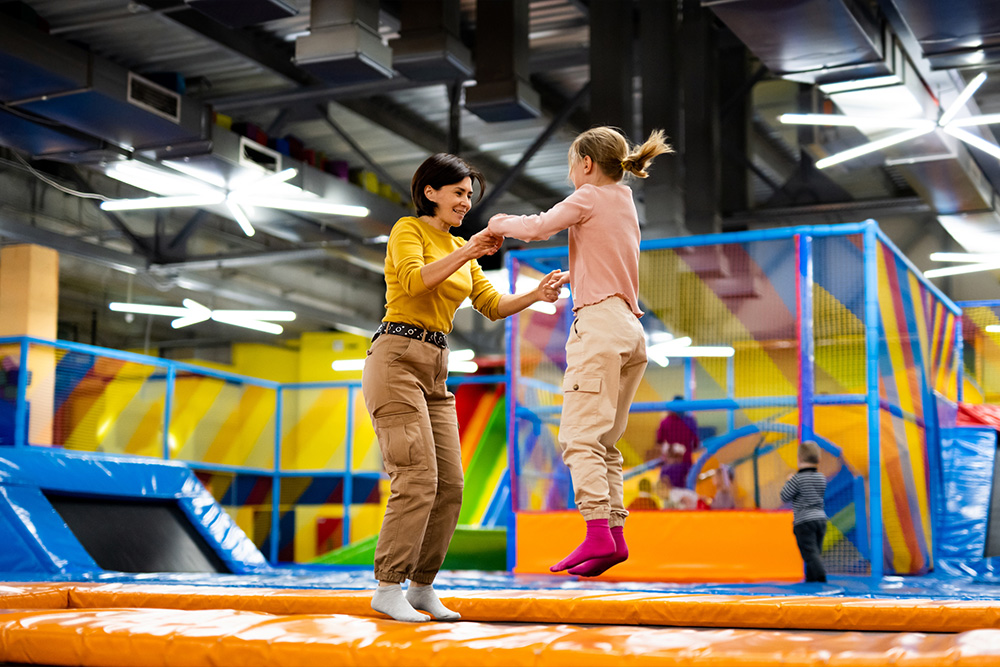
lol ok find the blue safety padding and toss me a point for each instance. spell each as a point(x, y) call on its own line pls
point(36, 539)
point(34, 536)
point(967, 470)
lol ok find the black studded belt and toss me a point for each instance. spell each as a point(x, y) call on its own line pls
point(410, 331)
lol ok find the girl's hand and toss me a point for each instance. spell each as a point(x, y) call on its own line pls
point(550, 286)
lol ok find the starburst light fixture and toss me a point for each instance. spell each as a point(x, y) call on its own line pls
point(193, 313)
point(911, 127)
point(239, 200)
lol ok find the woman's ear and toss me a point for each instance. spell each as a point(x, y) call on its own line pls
point(429, 192)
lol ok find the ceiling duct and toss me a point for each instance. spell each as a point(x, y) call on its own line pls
point(428, 47)
point(71, 88)
point(242, 13)
point(502, 91)
point(343, 45)
point(953, 35)
point(811, 41)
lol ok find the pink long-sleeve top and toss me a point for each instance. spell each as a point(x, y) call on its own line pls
point(603, 241)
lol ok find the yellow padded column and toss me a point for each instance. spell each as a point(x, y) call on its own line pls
point(29, 306)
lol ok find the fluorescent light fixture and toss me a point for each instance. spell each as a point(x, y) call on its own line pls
point(457, 363)
point(854, 121)
point(661, 353)
point(973, 257)
point(962, 98)
point(160, 181)
point(973, 140)
point(257, 325)
point(194, 313)
point(147, 309)
point(873, 146)
point(899, 119)
point(163, 202)
point(993, 328)
point(985, 119)
point(965, 268)
point(317, 206)
point(462, 367)
point(239, 215)
point(349, 365)
point(701, 351)
point(544, 307)
point(860, 84)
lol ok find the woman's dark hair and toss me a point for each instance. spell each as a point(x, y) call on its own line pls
point(437, 171)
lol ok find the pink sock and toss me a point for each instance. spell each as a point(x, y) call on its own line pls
point(597, 544)
point(596, 566)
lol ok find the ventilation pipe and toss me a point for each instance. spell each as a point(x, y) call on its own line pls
point(343, 45)
point(502, 91)
point(428, 47)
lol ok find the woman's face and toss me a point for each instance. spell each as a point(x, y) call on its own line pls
point(452, 201)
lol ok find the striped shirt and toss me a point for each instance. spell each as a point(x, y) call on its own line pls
point(805, 491)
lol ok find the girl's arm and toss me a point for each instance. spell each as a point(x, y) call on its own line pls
point(571, 211)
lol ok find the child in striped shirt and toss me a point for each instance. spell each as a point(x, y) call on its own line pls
point(805, 490)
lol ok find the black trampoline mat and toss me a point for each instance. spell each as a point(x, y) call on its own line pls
point(137, 535)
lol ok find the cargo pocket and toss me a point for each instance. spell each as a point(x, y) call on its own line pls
point(401, 440)
point(587, 384)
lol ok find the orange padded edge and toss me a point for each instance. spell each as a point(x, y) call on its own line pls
point(34, 596)
point(576, 606)
point(683, 546)
point(204, 638)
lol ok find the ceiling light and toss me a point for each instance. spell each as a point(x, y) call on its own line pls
point(194, 313)
point(162, 202)
point(872, 146)
point(681, 347)
point(860, 84)
point(993, 328)
point(237, 198)
point(239, 215)
point(317, 206)
point(853, 121)
point(965, 268)
point(973, 257)
point(898, 120)
point(459, 361)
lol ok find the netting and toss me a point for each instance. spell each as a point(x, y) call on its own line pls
point(981, 351)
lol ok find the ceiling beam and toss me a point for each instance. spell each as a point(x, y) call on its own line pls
point(400, 120)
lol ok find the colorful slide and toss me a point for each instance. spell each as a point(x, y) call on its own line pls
point(480, 542)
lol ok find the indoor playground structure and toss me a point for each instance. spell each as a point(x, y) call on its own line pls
point(156, 512)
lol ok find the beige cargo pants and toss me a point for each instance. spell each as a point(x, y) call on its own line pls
point(605, 360)
point(417, 427)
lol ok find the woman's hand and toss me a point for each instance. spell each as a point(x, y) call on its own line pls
point(550, 286)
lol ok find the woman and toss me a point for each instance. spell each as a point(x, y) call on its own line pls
point(428, 274)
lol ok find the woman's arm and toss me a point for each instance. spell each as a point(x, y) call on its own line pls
point(547, 290)
point(481, 243)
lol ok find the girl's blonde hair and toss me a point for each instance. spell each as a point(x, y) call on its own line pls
point(610, 151)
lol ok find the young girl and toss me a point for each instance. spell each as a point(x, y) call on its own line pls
point(606, 349)
point(428, 273)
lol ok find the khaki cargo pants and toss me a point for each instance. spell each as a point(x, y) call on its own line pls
point(605, 360)
point(417, 427)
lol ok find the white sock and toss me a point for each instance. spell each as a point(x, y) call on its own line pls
point(425, 599)
point(389, 600)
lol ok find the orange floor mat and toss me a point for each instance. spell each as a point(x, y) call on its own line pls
point(93, 625)
point(206, 638)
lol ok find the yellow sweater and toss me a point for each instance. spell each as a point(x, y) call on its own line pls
point(414, 244)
